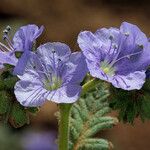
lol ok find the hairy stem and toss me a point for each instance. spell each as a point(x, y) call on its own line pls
point(65, 115)
point(64, 126)
point(89, 85)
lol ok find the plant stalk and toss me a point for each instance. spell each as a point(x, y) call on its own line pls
point(89, 85)
point(65, 115)
point(64, 126)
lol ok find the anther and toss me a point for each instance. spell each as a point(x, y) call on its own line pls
point(4, 37)
point(53, 51)
point(111, 37)
point(115, 46)
point(8, 28)
point(5, 31)
point(141, 46)
point(126, 34)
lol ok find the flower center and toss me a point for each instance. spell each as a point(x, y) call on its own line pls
point(54, 84)
point(107, 68)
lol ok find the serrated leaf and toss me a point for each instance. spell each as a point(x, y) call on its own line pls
point(87, 119)
point(131, 104)
point(95, 144)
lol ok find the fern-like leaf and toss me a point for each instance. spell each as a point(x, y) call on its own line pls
point(88, 118)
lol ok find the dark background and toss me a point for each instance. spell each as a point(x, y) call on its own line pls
point(63, 20)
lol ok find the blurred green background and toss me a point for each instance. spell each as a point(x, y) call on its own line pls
point(63, 20)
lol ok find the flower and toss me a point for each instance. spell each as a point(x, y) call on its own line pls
point(53, 73)
point(22, 42)
point(119, 56)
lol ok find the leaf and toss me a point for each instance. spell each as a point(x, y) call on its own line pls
point(95, 144)
point(33, 110)
point(88, 117)
point(19, 116)
point(4, 102)
point(131, 104)
point(10, 82)
point(7, 81)
point(10, 110)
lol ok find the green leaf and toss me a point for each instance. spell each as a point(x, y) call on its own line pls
point(7, 81)
point(19, 116)
point(10, 82)
point(33, 110)
point(131, 104)
point(95, 144)
point(4, 102)
point(88, 117)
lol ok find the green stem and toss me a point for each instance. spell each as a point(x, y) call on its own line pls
point(89, 85)
point(64, 126)
point(65, 115)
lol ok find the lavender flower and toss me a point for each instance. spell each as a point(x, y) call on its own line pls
point(22, 42)
point(119, 56)
point(53, 73)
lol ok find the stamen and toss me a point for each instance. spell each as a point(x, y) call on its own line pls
point(126, 33)
point(5, 32)
point(6, 38)
point(4, 47)
point(59, 59)
point(53, 51)
point(110, 44)
point(53, 58)
point(111, 37)
point(126, 56)
point(119, 48)
point(141, 46)
point(58, 68)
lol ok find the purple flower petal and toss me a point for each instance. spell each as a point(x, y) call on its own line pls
point(138, 37)
point(52, 52)
point(29, 91)
point(76, 68)
point(19, 69)
point(88, 42)
point(25, 36)
point(66, 94)
point(8, 58)
point(131, 81)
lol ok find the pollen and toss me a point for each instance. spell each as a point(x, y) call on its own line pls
point(54, 84)
point(106, 70)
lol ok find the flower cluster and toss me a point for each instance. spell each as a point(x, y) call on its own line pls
point(52, 72)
